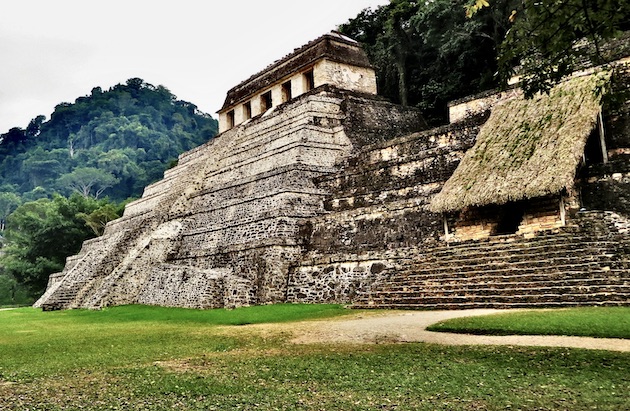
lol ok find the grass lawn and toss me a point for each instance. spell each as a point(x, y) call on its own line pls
point(147, 358)
point(604, 322)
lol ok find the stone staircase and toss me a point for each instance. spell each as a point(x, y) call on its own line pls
point(568, 268)
point(409, 167)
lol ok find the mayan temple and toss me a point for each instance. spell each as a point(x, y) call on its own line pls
point(318, 190)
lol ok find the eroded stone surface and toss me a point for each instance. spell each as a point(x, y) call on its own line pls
point(324, 198)
point(223, 227)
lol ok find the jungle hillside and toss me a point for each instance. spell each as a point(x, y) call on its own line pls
point(63, 178)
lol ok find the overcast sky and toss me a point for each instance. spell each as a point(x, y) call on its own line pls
point(53, 51)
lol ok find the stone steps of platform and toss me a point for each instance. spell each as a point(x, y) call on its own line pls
point(64, 296)
point(550, 301)
point(506, 287)
point(508, 243)
point(86, 278)
point(250, 148)
point(481, 263)
point(518, 259)
point(505, 280)
point(532, 245)
point(549, 294)
point(403, 259)
point(522, 296)
point(274, 134)
point(507, 277)
point(547, 265)
point(567, 268)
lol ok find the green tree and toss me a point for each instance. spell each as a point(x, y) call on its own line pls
point(550, 39)
point(41, 167)
point(145, 122)
point(125, 166)
point(8, 202)
point(13, 293)
point(98, 219)
point(34, 127)
point(428, 53)
point(12, 140)
point(41, 234)
point(87, 181)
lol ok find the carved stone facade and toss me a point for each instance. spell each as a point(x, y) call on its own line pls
point(222, 228)
point(316, 190)
point(333, 60)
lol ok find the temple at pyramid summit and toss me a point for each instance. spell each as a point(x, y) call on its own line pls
point(317, 190)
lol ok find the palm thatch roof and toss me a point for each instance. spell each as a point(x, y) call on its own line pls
point(527, 148)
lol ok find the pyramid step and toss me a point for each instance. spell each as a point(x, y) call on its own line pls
point(486, 304)
point(509, 275)
point(591, 297)
point(519, 254)
point(490, 291)
point(479, 286)
point(462, 273)
point(531, 246)
point(531, 266)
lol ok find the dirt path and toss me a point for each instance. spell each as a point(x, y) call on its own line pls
point(397, 326)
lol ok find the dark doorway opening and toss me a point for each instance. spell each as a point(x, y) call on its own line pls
point(309, 80)
point(510, 216)
point(247, 110)
point(593, 151)
point(265, 101)
point(230, 119)
point(286, 92)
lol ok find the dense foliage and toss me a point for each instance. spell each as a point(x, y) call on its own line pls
point(41, 234)
point(110, 143)
point(550, 39)
point(429, 53)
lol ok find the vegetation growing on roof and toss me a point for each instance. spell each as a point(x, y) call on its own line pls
point(528, 147)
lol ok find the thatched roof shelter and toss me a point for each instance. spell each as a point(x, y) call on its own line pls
point(527, 148)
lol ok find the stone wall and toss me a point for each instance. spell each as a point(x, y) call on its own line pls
point(606, 186)
point(461, 109)
point(321, 199)
point(223, 226)
point(376, 214)
point(378, 200)
point(525, 217)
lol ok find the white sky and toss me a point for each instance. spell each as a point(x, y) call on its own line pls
point(53, 51)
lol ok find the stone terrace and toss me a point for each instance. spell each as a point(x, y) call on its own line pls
point(576, 266)
point(549, 270)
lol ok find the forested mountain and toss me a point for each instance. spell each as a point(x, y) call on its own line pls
point(63, 179)
point(110, 143)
